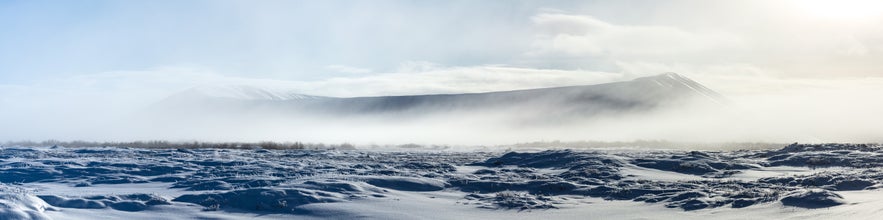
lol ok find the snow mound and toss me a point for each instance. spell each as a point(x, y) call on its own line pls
point(695, 163)
point(285, 199)
point(407, 183)
point(129, 203)
point(813, 199)
point(514, 200)
point(548, 159)
point(826, 155)
point(261, 199)
point(839, 181)
point(294, 181)
point(16, 204)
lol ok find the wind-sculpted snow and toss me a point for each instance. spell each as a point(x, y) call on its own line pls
point(130, 203)
point(284, 199)
point(826, 155)
point(283, 181)
point(813, 199)
point(694, 162)
point(17, 204)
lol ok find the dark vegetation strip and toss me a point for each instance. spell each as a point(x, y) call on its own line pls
point(186, 145)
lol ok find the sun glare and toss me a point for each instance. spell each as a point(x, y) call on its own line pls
point(842, 9)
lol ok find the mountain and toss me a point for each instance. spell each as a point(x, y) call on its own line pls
point(641, 94)
point(240, 92)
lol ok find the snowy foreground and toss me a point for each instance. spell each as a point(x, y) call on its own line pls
point(795, 182)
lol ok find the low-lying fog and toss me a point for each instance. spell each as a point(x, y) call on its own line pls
point(815, 111)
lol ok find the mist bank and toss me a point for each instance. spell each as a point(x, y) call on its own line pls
point(499, 126)
point(558, 113)
point(841, 112)
point(525, 146)
point(162, 144)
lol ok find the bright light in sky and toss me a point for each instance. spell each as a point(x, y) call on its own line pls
point(846, 10)
point(86, 60)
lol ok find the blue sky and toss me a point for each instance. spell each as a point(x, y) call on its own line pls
point(96, 59)
point(277, 39)
point(302, 40)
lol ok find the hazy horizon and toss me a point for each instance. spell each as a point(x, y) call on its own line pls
point(794, 71)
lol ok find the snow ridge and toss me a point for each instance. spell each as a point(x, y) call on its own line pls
point(247, 92)
point(674, 80)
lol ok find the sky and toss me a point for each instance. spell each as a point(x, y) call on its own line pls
point(86, 60)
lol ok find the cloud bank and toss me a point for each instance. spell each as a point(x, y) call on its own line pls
point(100, 107)
point(794, 73)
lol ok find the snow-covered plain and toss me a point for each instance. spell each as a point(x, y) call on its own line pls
point(794, 182)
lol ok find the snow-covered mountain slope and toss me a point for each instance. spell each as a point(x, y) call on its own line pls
point(242, 92)
point(629, 96)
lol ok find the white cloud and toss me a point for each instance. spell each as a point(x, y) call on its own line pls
point(86, 106)
point(416, 66)
point(755, 52)
point(779, 42)
point(776, 109)
point(457, 80)
point(585, 36)
point(348, 69)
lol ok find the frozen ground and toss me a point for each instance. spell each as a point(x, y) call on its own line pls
point(796, 182)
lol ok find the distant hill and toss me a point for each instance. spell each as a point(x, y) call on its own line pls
point(636, 95)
